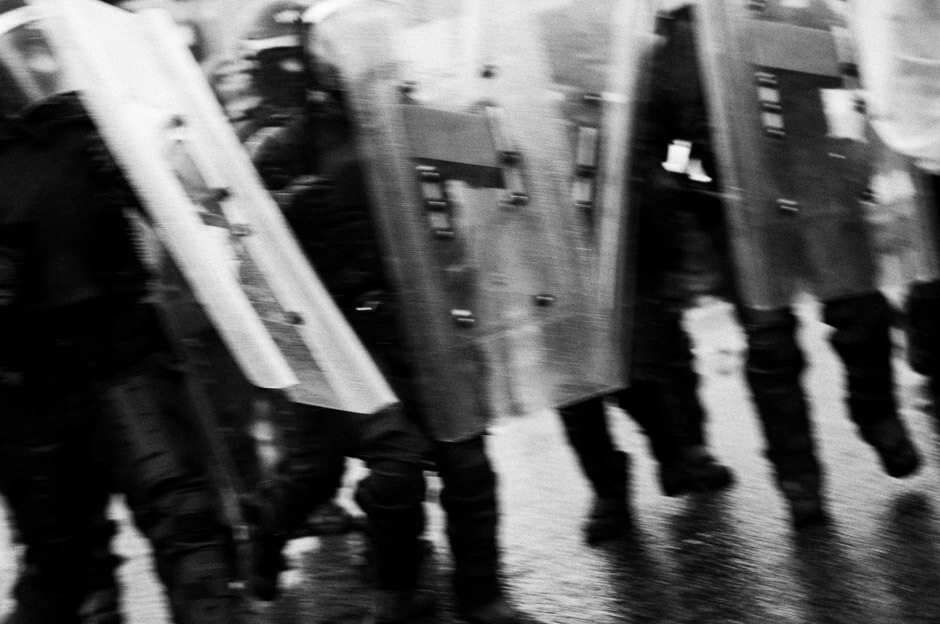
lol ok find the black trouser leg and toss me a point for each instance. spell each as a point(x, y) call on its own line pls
point(774, 366)
point(923, 334)
point(663, 397)
point(172, 500)
point(681, 381)
point(58, 500)
point(469, 499)
point(862, 339)
point(392, 497)
point(395, 451)
point(603, 465)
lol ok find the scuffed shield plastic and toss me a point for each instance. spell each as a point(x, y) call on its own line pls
point(209, 209)
point(790, 140)
point(495, 137)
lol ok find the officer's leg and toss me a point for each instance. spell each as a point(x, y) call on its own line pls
point(663, 399)
point(392, 496)
point(172, 500)
point(315, 442)
point(774, 366)
point(468, 497)
point(58, 499)
point(605, 467)
point(923, 335)
point(862, 339)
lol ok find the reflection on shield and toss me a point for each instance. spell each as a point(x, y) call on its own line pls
point(789, 136)
point(495, 138)
point(221, 228)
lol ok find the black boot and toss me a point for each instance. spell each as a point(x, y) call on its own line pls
point(685, 465)
point(392, 497)
point(774, 366)
point(663, 400)
point(606, 468)
point(862, 340)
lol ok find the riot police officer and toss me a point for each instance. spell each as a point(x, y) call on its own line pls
point(774, 241)
point(92, 399)
point(301, 140)
point(662, 398)
point(899, 59)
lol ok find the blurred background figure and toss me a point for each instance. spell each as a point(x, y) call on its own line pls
point(92, 399)
point(292, 119)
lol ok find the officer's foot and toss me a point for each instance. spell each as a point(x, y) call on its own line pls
point(401, 607)
point(894, 447)
point(696, 470)
point(496, 611)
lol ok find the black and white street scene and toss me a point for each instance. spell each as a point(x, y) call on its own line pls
point(469, 311)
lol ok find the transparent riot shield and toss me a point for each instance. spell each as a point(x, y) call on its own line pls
point(495, 135)
point(793, 157)
point(899, 60)
point(209, 208)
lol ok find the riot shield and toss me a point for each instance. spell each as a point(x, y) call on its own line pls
point(495, 138)
point(791, 147)
point(157, 115)
point(900, 68)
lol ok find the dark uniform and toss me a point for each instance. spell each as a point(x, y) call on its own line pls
point(663, 396)
point(775, 362)
point(304, 149)
point(91, 397)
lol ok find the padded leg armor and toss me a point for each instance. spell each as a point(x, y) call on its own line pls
point(774, 366)
point(469, 499)
point(862, 340)
point(391, 496)
point(170, 498)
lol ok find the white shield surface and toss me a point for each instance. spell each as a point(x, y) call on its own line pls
point(899, 58)
point(790, 139)
point(495, 138)
point(209, 209)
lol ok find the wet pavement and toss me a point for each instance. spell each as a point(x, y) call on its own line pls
point(725, 558)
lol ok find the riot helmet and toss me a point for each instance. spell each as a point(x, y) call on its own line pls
point(271, 44)
point(29, 70)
